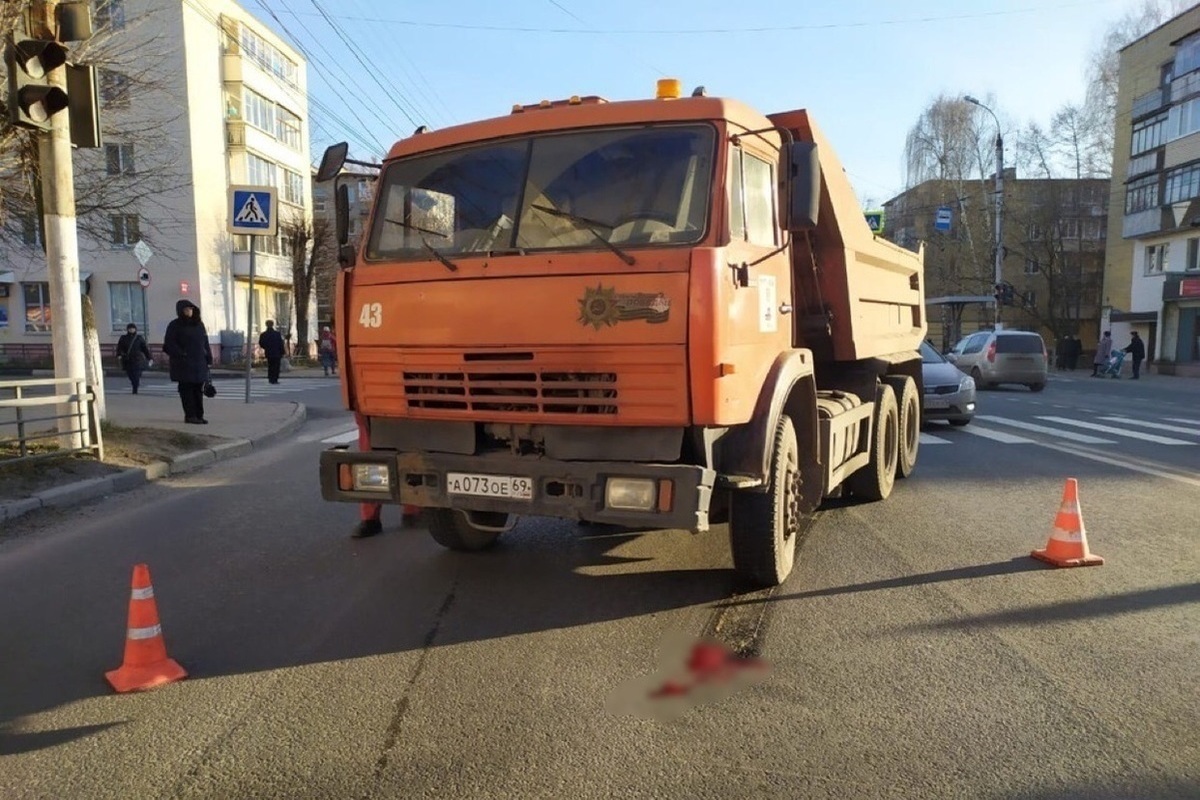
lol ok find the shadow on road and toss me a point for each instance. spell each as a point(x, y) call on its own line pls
point(12, 744)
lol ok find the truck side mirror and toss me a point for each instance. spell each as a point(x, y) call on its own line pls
point(804, 184)
point(341, 210)
point(332, 162)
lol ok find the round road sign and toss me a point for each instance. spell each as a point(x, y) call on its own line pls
point(144, 277)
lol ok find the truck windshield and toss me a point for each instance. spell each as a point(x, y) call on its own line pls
point(628, 187)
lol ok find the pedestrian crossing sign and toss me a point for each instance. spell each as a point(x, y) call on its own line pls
point(252, 210)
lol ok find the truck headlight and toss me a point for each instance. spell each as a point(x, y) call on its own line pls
point(371, 478)
point(631, 494)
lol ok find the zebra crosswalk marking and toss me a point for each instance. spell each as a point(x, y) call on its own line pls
point(1154, 425)
point(348, 437)
point(1091, 426)
point(996, 436)
point(1183, 421)
point(929, 438)
point(1082, 438)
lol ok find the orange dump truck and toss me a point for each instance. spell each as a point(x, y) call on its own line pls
point(661, 313)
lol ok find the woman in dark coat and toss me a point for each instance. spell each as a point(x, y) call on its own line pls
point(186, 344)
point(133, 355)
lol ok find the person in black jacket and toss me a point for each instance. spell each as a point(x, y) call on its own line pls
point(1137, 349)
point(133, 355)
point(186, 344)
point(271, 342)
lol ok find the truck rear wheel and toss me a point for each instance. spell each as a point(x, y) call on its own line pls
point(910, 422)
point(875, 480)
point(451, 530)
point(764, 526)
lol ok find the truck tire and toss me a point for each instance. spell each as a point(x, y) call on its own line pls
point(875, 480)
point(764, 526)
point(910, 422)
point(450, 529)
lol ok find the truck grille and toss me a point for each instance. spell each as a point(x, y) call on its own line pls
point(514, 392)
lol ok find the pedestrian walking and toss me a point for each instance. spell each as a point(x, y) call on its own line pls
point(1136, 350)
point(1103, 352)
point(327, 350)
point(186, 345)
point(133, 355)
point(1073, 354)
point(271, 342)
point(1061, 352)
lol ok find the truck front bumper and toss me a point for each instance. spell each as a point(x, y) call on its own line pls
point(564, 489)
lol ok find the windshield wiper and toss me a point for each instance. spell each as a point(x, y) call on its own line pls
point(590, 225)
point(410, 226)
point(450, 265)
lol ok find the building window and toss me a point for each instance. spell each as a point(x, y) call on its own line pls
point(1093, 229)
point(259, 112)
point(1142, 195)
point(267, 56)
point(1035, 232)
point(287, 128)
point(125, 230)
point(114, 89)
point(293, 187)
point(1187, 55)
point(260, 172)
point(1193, 255)
point(1184, 119)
point(364, 191)
point(1149, 134)
point(127, 304)
point(119, 158)
point(1032, 267)
point(31, 231)
point(1069, 228)
point(109, 14)
point(1156, 258)
point(37, 307)
point(1183, 183)
point(319, 206)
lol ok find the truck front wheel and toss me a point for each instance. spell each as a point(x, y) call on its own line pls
point(764, 526)
point(875, 480)
point(451, 530)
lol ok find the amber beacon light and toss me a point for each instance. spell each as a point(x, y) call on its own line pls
point(668, 89)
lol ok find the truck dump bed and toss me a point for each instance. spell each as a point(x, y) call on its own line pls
point(857, 296)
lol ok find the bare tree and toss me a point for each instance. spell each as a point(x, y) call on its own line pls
point(312, 247)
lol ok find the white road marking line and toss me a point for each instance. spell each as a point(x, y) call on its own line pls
point(342, 438)
point(1091, 426)
point(1191, 481)
point(1154, 425)
point(1029, 426)
point(929, 438)
point(1183, 421)
point(996, 436)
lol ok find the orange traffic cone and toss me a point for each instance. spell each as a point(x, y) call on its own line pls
point(1068, 545)
point(146, 664)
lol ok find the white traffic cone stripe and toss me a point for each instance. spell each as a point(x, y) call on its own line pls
point(143, 594)
point(145, 633)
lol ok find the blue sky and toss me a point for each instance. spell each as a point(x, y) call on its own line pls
point(865, 69)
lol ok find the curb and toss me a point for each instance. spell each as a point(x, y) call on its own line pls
point(72, 494)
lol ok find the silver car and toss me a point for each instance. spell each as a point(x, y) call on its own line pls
point(949, 394)
point(995, 357)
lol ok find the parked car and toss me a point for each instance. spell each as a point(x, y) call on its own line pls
point(995, 357)
point(949, 394)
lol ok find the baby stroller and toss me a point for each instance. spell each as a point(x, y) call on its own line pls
point(1113, 368)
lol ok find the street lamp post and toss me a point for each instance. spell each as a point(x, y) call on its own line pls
point(999, 277)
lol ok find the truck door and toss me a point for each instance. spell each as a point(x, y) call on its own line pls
point(762, 322)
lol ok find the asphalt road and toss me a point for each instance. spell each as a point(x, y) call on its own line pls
point(916, 651)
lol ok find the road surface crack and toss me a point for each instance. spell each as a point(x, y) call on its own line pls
point(392, 736)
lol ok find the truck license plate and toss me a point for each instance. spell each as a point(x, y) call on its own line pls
point(506, 486)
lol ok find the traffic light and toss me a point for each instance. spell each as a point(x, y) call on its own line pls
point(32, 101)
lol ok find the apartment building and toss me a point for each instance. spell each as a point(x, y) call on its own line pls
point(361, 191)
point(1054, 234)
point(1152, 279)
point(195, 95)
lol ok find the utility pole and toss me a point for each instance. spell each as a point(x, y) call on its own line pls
point(62, 241)
point(999, 270)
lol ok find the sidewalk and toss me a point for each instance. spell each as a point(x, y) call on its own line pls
point(239, 427)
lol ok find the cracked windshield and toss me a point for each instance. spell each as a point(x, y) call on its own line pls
point(574, 192)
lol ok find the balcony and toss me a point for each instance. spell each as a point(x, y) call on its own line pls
point(1144, 164)
point(1184, 86)
point(235, 134)
point(1150, 102)
point(1142, 223)
point(231, 68)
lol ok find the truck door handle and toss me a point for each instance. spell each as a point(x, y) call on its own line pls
point(786, 308)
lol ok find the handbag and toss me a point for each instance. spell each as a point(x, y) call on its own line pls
point(209, 390)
